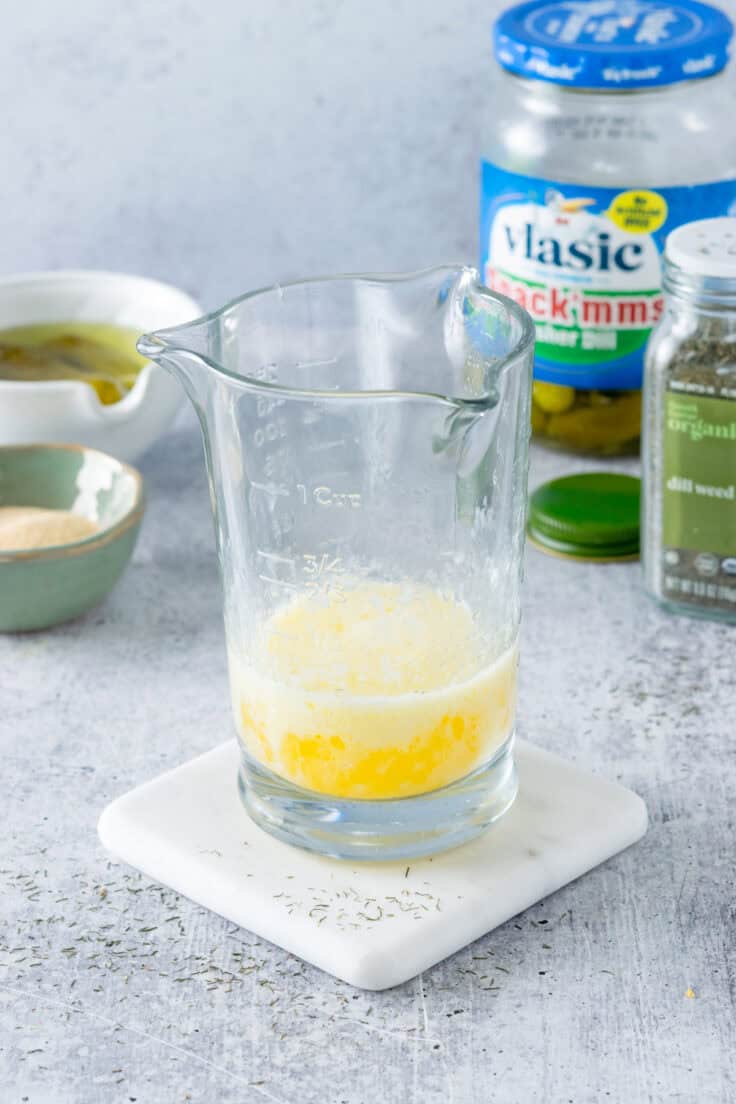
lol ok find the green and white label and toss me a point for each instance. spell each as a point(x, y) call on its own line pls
point(699, 499)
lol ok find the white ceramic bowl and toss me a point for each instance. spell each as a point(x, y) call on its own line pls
point(69, 411)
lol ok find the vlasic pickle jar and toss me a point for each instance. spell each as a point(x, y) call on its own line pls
point(610, 124)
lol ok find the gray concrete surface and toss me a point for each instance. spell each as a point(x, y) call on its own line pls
point(113, 990)
point(222, 146)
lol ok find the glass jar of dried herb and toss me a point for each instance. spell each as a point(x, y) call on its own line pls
point(689, 427)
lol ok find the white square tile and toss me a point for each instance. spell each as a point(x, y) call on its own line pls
point(371, 924)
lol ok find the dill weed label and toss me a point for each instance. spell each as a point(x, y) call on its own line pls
point(689, 463)
point(584, 262)
point(699, 494)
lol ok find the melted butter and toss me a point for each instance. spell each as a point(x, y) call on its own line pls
point(374, 693)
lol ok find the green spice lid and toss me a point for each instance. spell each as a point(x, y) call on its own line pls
point(587, 517)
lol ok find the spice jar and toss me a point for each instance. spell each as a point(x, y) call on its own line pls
point(689, 444)
point(610, 124)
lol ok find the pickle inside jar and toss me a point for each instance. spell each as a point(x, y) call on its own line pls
point(586, 421)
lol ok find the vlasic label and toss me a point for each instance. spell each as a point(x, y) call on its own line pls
point(585, 263)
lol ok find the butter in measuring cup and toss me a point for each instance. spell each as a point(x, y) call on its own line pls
point(373, 692)
point(102, 355)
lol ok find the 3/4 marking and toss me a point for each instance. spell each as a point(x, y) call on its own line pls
point(322, 565)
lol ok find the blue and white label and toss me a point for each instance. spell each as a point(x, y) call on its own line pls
point(585, 263)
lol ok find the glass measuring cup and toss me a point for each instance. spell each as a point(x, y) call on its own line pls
point(367, 442)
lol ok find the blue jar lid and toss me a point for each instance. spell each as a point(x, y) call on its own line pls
point(613, 43)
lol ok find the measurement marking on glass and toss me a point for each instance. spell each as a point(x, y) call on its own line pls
point(323, 446)
point(278, 582)
point(325, 496)
point(275, 556)
point(270, 488)
point(269, 432)
point(316, 363)
point(322, 565)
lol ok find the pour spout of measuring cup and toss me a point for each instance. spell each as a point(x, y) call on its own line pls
point(183, 351)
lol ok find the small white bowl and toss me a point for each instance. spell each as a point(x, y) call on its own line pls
point(69, 411)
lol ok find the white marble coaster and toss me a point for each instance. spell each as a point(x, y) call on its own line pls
point(371, 924)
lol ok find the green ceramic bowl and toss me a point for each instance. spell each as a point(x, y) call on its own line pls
point(44, 586)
